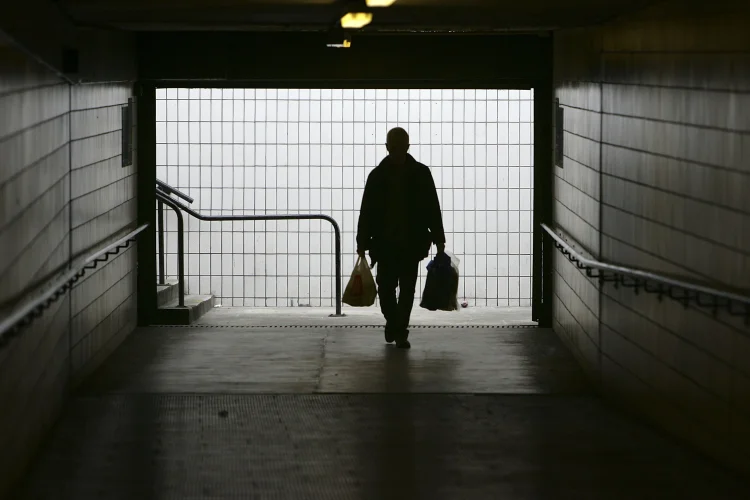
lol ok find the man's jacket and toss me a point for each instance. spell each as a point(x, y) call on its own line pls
point(424, 222)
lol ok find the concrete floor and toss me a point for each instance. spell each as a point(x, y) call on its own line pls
point(216, 359)
point(295, 316)
point(222, 410)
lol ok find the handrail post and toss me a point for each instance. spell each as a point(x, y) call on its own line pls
point(180, 259)
point(162, 272)
point(180, 246)
point(337, 233)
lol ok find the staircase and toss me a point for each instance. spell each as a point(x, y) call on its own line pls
point(169, 313)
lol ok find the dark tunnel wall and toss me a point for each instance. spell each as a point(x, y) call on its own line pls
point(656, 175)
point(64, 194)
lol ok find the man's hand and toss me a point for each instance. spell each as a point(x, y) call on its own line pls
point(440, 247)
point(361, 253)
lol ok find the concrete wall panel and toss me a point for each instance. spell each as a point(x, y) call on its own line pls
point(674, 180)
point(62, 188)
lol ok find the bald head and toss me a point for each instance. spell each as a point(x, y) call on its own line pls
point(397, 143)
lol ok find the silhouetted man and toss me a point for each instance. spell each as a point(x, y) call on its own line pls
point(400, 219)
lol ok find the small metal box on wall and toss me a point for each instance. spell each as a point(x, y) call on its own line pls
point(559, 133)
point(127, 133)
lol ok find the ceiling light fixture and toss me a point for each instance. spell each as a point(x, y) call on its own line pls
point(380, 3)
point(340, 43)
point(338, 38)
point(356, 20)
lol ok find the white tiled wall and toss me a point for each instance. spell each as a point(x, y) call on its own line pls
point(257, 151)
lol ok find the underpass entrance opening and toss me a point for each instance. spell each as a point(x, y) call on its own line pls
point(309, 150)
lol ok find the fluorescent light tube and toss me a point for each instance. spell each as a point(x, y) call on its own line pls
point(356, 20)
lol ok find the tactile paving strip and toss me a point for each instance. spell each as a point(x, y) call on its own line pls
point(360, 447)
point(411, 327)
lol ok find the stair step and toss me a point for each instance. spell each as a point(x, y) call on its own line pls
point(167, 292)
point(195, 307)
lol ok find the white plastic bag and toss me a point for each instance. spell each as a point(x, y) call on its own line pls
point(361, 290)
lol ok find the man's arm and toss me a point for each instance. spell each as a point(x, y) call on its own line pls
point(435, 216)
point(365, 215)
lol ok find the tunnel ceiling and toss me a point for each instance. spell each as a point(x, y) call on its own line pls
point(319, 15)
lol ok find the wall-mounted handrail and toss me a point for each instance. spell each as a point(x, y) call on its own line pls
point(735, 304)
point(224, 218)
point(23, 317)
point(166, 188)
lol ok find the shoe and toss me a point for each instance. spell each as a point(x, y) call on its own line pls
point(388, 337)
point(403, 344)
point(402, 341)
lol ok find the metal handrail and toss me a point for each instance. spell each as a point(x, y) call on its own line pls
point(665, 285)
point(168, 190)
point(224, 218)
point(20, 319)
point(160, 230)
point(173, 204)
point(172, 190)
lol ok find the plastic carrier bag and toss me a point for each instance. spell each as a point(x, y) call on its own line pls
point(361, 290)
point(441, 287)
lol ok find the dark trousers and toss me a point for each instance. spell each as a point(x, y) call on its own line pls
point(392, 273)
